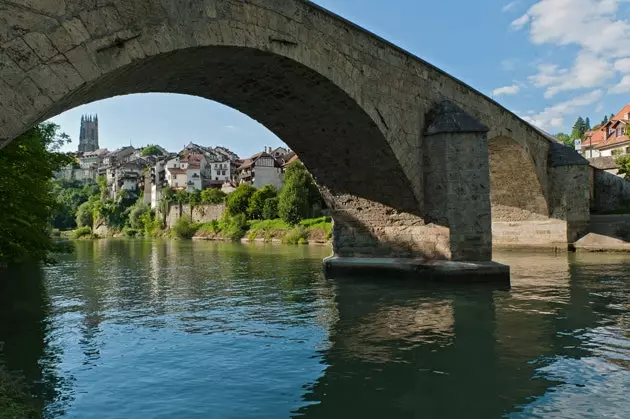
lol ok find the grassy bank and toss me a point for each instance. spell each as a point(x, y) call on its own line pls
point(315, 230)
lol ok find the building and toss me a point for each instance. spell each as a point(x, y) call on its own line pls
point(609, 140)
point(88, 137)
point(261, 169)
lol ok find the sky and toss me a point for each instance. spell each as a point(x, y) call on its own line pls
point(548, 61)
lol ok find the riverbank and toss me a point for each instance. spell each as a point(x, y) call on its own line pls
point(310, 231)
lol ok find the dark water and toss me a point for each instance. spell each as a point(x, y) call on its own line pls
point(133, 329)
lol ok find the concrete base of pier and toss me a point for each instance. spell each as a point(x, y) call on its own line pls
point(336, 267)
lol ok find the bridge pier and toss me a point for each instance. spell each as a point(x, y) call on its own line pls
point(450, 238)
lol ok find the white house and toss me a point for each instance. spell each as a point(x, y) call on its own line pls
point(195, 166)
point(261, 169)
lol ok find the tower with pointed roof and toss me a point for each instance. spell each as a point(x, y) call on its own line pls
point(88, 137)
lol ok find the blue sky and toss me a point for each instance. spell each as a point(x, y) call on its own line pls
point(546, 60)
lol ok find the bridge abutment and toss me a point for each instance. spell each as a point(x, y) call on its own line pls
point(450, 238)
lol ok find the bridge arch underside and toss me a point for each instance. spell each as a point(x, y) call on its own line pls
point(520, 209)
point(371, 199)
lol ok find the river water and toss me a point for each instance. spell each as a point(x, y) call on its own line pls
point(167, 329)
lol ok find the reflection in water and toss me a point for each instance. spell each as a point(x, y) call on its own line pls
point(179, 329)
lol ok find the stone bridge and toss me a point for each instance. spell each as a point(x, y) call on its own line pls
point(413, 162)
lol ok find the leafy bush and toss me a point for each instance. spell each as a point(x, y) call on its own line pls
point(257, 201)
point(15, 397)
point(212, 196)
point(235, 227)
point(184, 228)
point(238, 201)
point(130, 232)
point(299, 235)
point(85, 214)
point(137, 215)
point(82, 232)
point(298, 195)
point(270, 209)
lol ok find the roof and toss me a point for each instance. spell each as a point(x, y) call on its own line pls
point(174, 171)
point(594, 138)
point(247, 163)
point(292, 159)
point(563, 155)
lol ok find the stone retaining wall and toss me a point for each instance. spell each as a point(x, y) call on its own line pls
point(200, 214)
point(548, 233)
point(610, 192)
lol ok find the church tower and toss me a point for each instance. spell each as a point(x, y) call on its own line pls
point(88, 138)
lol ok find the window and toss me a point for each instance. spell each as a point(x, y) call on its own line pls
point(618, 131)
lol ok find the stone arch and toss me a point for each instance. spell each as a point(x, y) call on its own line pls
point(516, 193)
point(251, 57)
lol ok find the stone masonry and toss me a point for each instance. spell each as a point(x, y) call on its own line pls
point(354, 107)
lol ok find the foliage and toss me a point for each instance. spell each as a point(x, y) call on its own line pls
point(82, 232)
point(130, 232)
point(181, 196)
point(28, 165)
point(15, 397)
point(605, 120)
point(298, 195)
point(70, 195)
point(579, 128)
point(238, 201)
point(257, 201)
point(235, 227)
point(212, 196)
point(137, 215)
point(624, 166)
point(564, 138)
point(298, 235)
point(587, 124)
point(184, 228)
point(270, 209)
point(85, 214)
point(151, 150)
point(194, 198)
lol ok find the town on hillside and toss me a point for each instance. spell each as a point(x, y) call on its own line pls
point(150, 169)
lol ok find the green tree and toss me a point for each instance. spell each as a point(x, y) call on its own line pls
point(564, 138)
point(257, 201)
point(605, 120)
point(238, 201)
point(194, 198)
point(624, 166)
point(151, 150)
point(579, 127)
point(137, 215)
point(298, 195)
point(270, 209)
point(212, 196)
point(85, 214)
point(587, 124)
point(27, 204)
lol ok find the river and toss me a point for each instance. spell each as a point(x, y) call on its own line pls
point(170, 329)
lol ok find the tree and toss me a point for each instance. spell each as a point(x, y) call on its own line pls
point(579, 128)
point(27, 205)
point(587, 124)
point(137, 215)
point(564, 138)
point(257, 201)
point(624, 166)
point(85, 214)
point(270, 209)
point(298, 194)
point(605, 120)
point(194, 198)
point(238, 201)
point(151, 150)
point(212, 196)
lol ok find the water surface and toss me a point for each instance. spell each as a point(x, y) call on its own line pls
point(167, 329)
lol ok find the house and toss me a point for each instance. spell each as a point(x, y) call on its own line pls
point(126, 176)
point(611, 139)
point(92, 159)
point(195, 165)
point(261, 169)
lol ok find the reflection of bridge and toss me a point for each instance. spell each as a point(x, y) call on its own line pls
point(423, 351)
point(411, 159)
